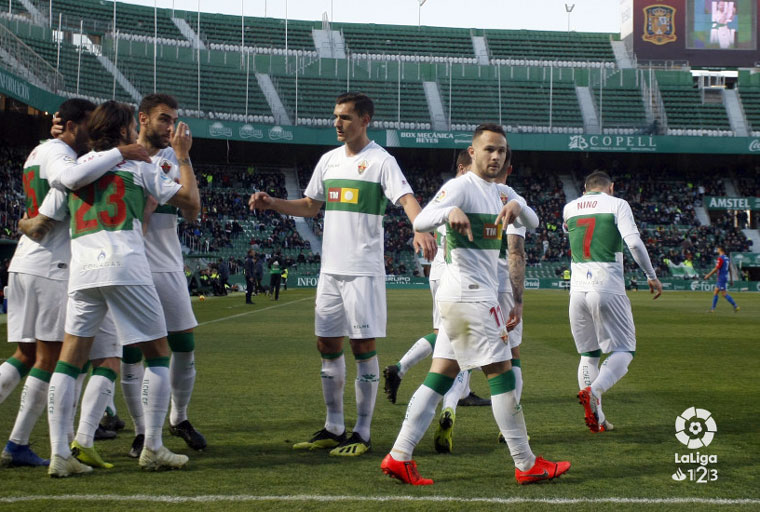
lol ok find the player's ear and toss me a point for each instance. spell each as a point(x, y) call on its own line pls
point(612, 189)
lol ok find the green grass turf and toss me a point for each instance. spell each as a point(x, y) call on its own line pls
point(258, 391)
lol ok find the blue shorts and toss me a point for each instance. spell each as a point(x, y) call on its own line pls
point(721, 284)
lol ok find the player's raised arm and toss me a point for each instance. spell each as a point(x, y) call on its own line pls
point(188, 198)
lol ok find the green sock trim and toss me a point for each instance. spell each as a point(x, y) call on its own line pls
point(430, 338)
point(86, 367)
point(336, 355)
point(516, 362)
point(69, 369)
point(594, 353)
point(20, 367)
point(105, 372)
point(130, 354)
point(158, 361)
point(43, 375)
point(438, 383)
point(365, 356)
point(632, 352)
point(181, 341)
point(502, 383)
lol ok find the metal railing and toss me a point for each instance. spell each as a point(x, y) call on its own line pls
point(28, 64)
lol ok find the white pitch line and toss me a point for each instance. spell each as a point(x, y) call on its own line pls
point(379, 499)
point(254, 311)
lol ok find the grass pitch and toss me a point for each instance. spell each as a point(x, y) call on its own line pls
point(258, 391)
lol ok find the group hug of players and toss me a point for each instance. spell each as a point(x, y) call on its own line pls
point(97, 280)
point(101, 228)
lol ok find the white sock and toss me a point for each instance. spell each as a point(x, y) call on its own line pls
point(33, 401)
point(131, 386)
point(61, 398)
point(419, 351)
point(588, 371)
point(111, 407)
point(366, 384)
point(451, 398)
point(75, 405)
point(97, 394)
point(333, 382)
point(518, 382)
point(9, 379)
point(466, 389)
point(612, 370)
point(419, 414)
point(182, 372)
point(156, 392)
point(509, 416)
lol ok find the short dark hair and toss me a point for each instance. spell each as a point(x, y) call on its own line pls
point(151, 101)
point(106, 123)
point(363, 105)
point(597, 179)
point(75, 110)
point(496, 128)
point(489, 127)
point(464, 159)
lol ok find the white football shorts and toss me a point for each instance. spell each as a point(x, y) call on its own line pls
point(135, 309)
point(600, 320)
point(434, 283)
point(352, 306)
point(477, 331)
point(175, 300)
point(106, 342)
point(36, 308)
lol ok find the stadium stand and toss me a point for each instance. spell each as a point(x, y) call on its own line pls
point(687, 109)
point(571, 49)
point(619, 103)
point(396, 40)
point(748, 86)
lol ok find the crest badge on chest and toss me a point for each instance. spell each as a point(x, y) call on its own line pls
point(362, 167)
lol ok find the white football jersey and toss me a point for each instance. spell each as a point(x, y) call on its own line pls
point(470, 274)
point(162, 245)
point(355, 190)
point(107, 244)
point(50, 257)
point(597, 223)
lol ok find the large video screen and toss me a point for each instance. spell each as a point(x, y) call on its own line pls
point(720, 25)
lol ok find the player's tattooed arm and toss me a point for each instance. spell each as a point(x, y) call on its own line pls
point(35, 228)
point(516, 262)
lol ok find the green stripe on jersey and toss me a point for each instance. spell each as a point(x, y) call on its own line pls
point(485, 233)
point(35, 189)
point(594, 238)
point(167, 209)
point(355, 196)
point(109, 204)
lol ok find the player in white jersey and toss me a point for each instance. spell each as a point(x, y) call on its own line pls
point(158, 116)
point(472, 208)
point(600, 313)
point(423, 347)
point(39, 273)
point(354, 182)
point(109, 272)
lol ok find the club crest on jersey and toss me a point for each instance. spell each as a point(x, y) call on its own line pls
point(504, 198)
point(492, 231)
point(362, 167)
point(165, 165)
